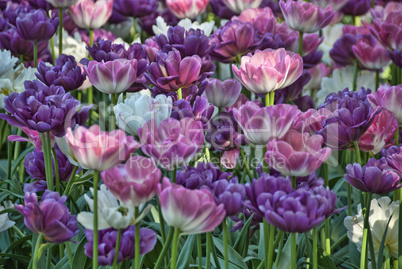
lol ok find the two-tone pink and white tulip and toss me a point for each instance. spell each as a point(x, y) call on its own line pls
point(187, 8)
point(268, 70)
point(297, 154)
point(240, 5)
point(390, 98)
point(113, 76)
point(91, 14)
point(99, 150)
point(191, 211)
point(134, 182)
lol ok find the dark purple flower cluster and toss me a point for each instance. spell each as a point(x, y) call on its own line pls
point(44, 109)
point(135, 8)
point(200, 110)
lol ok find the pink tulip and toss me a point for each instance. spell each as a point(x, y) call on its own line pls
point(33, 137)
point(113, 76)
point(134, 182)
point(269, 70)
point(370, 53)
point(298, 154)
point(389, 98)
point(90, 14)
point(240, 5)
point(187, 8)
point(380, 134)
point(191, 211)
point(99, 150)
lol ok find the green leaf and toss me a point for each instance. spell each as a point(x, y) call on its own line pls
point(234, 257)
point(185, 254)
point(243, 237)
point(20, 158)
point(19, 242)
point(381, 250)
point(79, 256)
point(22, 258)
point(62, 264)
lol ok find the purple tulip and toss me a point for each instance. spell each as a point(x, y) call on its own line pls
point(14, 10)
point(396, 57)
point(342, 51)
point(44, 109)
point(389, 98)
point(51, 218)
point(370, 53)
point(135, 8)
point(296, 212)
point(232, 40)
point(356, 7)
point(309, 182)
point(35, 26)
point(171, 72)
point(292, 91)
point(371, 178)
point(199, 111)
point(191, 211)
point(173, 143)
point(335, 4)
point(220, 9)
point(230, 194)
point(147, 22)
point(311, 121)
point(306, 17)
point(41, 4)
point(134, 182)
point(98, 33)
point(263, 124)
point(107, 244)
point(328, 197)
point(388, 31)
point(34, 164)
point(66, 73)
point(222, 94)
point(334, 100)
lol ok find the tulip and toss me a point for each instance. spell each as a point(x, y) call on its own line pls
point(190, 211)
point(187, 8)
point(356, 7)
point(370, 53)
point(269, 70)
point(91, 14)
point(297, 154)
point(98, 150)
point(33, 138)
point(8, 63)
point(335, 4)
point(35, 26)
point(263, 124)
point(222, 94)
point(240, 5)
point(135, 182)
point(389, 98)
point(51, 218)
point(135, 8)
point(62, 3)
point(5, 222)
point(388, 31)
point(220, 9)
point(173, 143)
point(306, 17)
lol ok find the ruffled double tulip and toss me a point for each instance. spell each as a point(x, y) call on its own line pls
point(135, 182)
point(268, 70)
point(171, 72)
point(140, 108)
point(371, 178)
point(370, 53)
point(91, 14)
point(35, 26)
point(263, 124)
point(380, 134)
point(222, 94)
point(238, 6)
point(306, 17)
point(297, 154)
point(115, 76)
point(173, 143)
point(51, 218)
point(389, 98)
point(389, 31)
point(187, 8)
point(99, 150)
point(190, 211)
point(135, 8)
point(356, 7)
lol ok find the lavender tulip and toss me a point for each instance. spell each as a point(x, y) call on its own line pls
point(370, 53)
point(35, 26)
point(135, 8)
point(222, 94)
point(335, 4)
point(107, 244)
point(51, 218)
point(263, 124)
point(66, 73)
point(269, 70)
point(191, 211)
point(199, 111)
point(297, 154)
point(41, 4)
point(371, 178)
point(230, 194)
point(388, 31)
point(173, 143)
point(306, 17)
point(388, 97)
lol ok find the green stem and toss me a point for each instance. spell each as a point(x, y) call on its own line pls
point(69, 253)
point(17, 145)
point(53, 51)
point(272, 98)
point(179, 94)
point(293, 178)
point(315, 248)
point(327, 226)
point(60, 31)
point(35, 54)
point(36, 251)
point(355, 70)
point(293, 250)
point(70, 181)
point(366, 210)
point(135, 28)
point(9, 153)
point(215, 256)
point(48, 258)
point(267, 102)
point(174, 174)
point(208, 252)
point(243, 156)
point(91, 37)
point(280, 248)
point(165, 249)
point(113, 118)
point(225, 243)
point(175, 247)
point(301, 43)
point(349, 200)
point(48, 165)
point(272, 248)
point(137, 240)
point(56, 170)
point(199, 251)
point(377, 79)
point(95, 242)
point(116, 253)
point(387, 258)
point(357, 151)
